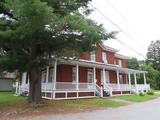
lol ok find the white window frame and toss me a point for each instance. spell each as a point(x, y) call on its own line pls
point(104, 57)
point(93, 56)
point(90, 76)
point(43, 76)
point(120, 63)
point(106, 76)
point(120, 79)
point(51, 75)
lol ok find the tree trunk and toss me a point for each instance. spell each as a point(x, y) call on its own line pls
point(34, 86)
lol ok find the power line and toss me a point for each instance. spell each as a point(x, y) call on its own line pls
point(131, 48)
point(117, 11)
point(120, 14)
point(120, 30)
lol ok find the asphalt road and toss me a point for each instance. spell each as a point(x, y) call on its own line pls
point(149, 110)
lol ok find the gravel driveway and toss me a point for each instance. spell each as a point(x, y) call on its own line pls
point(149, 110)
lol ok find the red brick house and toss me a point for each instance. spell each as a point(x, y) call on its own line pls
point(99, 73)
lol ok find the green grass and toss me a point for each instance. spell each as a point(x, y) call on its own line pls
point(84, 103)
point(9, 102)
point(7, 99)
point(137, 98)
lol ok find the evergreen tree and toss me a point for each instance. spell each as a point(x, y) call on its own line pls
point(33, 31)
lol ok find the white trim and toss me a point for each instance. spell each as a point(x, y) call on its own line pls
point(47, 74)
point(93, 56)
point(104, 78)
point(120, 94)
point(118, 79)
point(87, 63)
point(129, 79)
point(55, 75)
point(144, 75)
point(104, 57)
point(135, 79)
point(120, 56)
point(94, 76)
point(74, 91)
point(107, 48)
point(77, 77)
point(70, 98)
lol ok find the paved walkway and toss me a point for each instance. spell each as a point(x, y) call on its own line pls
point(149, 110)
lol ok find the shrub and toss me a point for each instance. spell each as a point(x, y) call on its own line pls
point(150, 93)
point(141, 94)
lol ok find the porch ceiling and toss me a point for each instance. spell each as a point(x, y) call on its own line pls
point(86, 63)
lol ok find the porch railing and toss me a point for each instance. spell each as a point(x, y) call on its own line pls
point(74, 86)
point(120, 86)
point(141, 87)
point(69, 86)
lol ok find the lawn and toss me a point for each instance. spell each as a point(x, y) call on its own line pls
point(137, 98)
point(18, 104)
point(7, 100)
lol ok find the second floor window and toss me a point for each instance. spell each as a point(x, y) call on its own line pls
point(104, 57)
point(120, 63)
point(93, 56)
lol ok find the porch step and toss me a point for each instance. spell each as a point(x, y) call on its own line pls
point(106, 93)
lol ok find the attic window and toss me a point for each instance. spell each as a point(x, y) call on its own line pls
point(104, 57)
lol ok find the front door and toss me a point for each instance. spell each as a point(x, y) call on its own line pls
point(106, 77)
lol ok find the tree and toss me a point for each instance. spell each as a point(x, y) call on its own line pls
point(132, 63)
point(152, 76)
point(36, 32)
point(153, 54)
point(153, 59)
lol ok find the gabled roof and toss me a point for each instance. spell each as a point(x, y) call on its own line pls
point(120, 56)
point(107, 48)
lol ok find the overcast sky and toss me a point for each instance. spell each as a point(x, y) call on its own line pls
point(138, 18)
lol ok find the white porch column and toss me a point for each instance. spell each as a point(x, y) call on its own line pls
point(144, 75)
point(77, 77)
point(94, 76)
point(118, 79)
point(54, 78)
point(104, 78)
point(129, 79)
point(55, 75)
point(47, 74)
point(135, 79)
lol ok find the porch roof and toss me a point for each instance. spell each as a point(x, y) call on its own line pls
point(86, 63)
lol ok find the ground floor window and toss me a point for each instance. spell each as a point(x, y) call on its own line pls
point(51, 74)
point(43, 75)
point(90, 76)
point(120, 79)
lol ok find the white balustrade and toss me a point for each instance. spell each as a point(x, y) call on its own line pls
point(141, 87)
point(69, 86)
point(47, 86)
point(65, 86)
point(120, 86)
